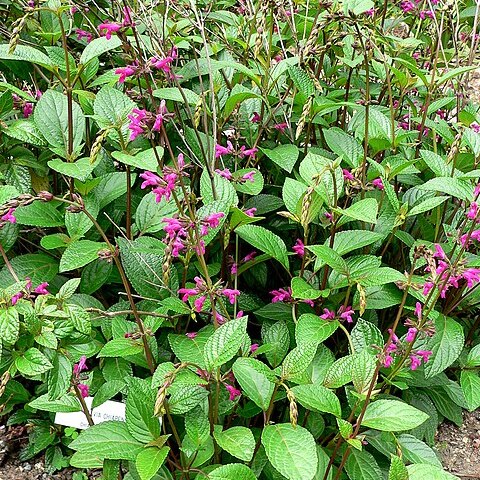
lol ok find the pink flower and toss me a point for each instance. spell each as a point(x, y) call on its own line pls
point(109, 29)
point(17, 297)
point(347, 175)
point(439, 253)
point(475, 127)
point(424, 354)
point(42, 289)
point(151, 180)
point(137, 124)
point(346, 313)
point(281, 295)
point(377, 183)
point(234, 269)
point(281, 127)
point(199, 302)
point(427, 287)
point(249, 176)
point(213, 220)
point(234, 392)
point(127, 16)
point(328, 314)
point(83, 389)
point(250, 212)
point(225, 173)
point(328, 216)
point(81, 366)
point(187, 293)
point(27, 109)
point(83, 34)
point(249, 256)
point(247, 152)
point(407, 6)
point(124, 72)
point(254, 347)
point(191, 335)
point(418, 310)
point(426, 13)
point(412, 332)
point(415, 362)
point(221, 150)
point(256, 118)
point(299, 248)
point(472, 276)
point(473, 211)
point(231, 294)
point(370, 12)
point(388, 361)
point(9, 217)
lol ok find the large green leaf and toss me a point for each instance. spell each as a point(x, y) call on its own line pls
point(232, 471)
point(285, 156)
point(225, 342)
point(298, 359)
point(312, 328)
point(108, 440)
point(98, 46)
point(79, 254)
point(149, 461)
point(362, 465)
point(470, 383)
point(33, 362)
point(26, 54)
point(318, 398)
point(39, 214)
point(39, 267)
point(446, 345)
point(345, 146)
point(462, 189)
point(291, 450)
point(237, 441)
point(9, 325)
point(392, 416)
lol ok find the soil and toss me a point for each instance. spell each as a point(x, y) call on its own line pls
point(459, 447)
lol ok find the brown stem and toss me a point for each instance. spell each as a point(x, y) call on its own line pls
point(85, 409)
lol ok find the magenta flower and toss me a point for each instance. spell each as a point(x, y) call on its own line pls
point(16, 298)
point(253, 347)
point(299, 248)
point(249, 256)
point(247, 152)
point(250, 212)
point(415, 362)
point(328, 216)
point(281, 127)
point(347, 175)
point(256, 118)
point(191, 335)
point(424, 354)
point(439, 252)
point(213, 220)
point(221, 150)
point(411, 334)
point(187, 293)
point(346, 313)
point(427, 287)
point(27, 109)
point(426, 13)
point(281, 295)
point(42, 289)
point(472, 276)
point(407, 6)
point(125, 72)
point(370, 12)
point(475, 127)
point(418, 310)
point(9, 217)
point(388, 361)
point(249, 176)
point(377, 183)
point(473, 211)
point(106, 29)
point(233, 392)
point(231, 294)
point(199, 302)
point(127, 16)
point(151, 180)
point(234, 269)
point(83, 389)
point(83, 34)
point(81, 366)
point(225, 173)
point(328, 314)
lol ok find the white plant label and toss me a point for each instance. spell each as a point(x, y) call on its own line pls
point(106, 411)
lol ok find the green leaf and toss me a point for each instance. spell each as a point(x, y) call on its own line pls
point(470, 383)
point(111, 108)
point(141, 423)
point(150, 214)
point(190, 350)
point(266, 241)
point(108, 440)
point(186, 397)
point(392, 416)
point(362, 466)
point(149, 461)
point(292, 192)
point(446, 345)
point(455, 187)
point(142, 260)
point(298, 360)
point(365, 210)
point(51, 118)
point(312, 328)
point(237, 441)
point(340, 372)
point(303, 290)
point(222, 189)
point(9, 325)
point(232, 471)
point(175, 94)
point(416, 451)
point(39, 214)
point(33, 362)
point(26, 54)
point(59, 376)
point(80, 169)
point(238, 95)
point(79, 254)
point(97, 47)
point(111, 186)
point(329, 256)
point(301, 80)
point(318, 398)
point(365, 335)
point(397, 470)
point(278, 338)
point(145, 160)
point(285, 156)
point(107, 391)
point(473, 357)
point(255, 380)
point(291, 451)
point(197, 426)
point(344, 145)
point(39, 267)
point(249, 187)
point(427, 205)
point(66, 403)
point(120, 347)
point(421, 471)
point(80, 318)
point(225, 342)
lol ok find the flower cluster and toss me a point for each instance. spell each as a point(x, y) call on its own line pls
point(24, 105)
point(285, 295)
point(397, 349)
point(343, 313)
point(201, 290)
point(243, 152)
point(28, 293)
point(107, 28)
point(409, 6)
point(143, 122)
point(77, 378)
